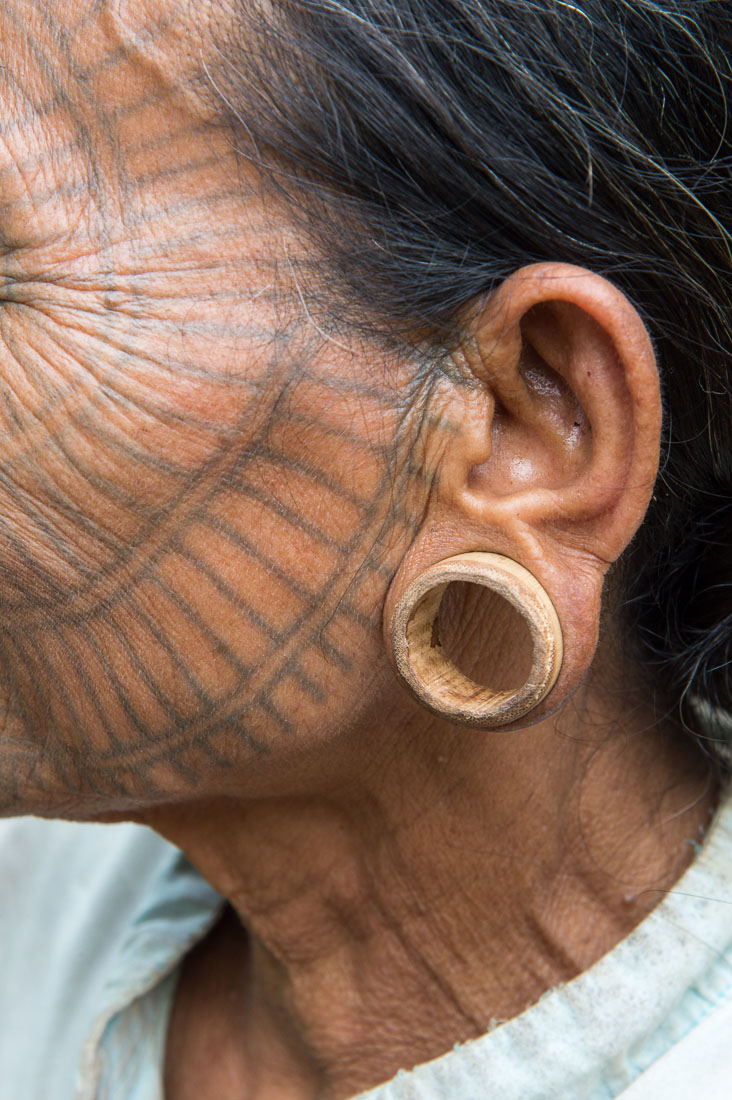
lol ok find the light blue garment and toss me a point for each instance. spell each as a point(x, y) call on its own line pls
point(94, 921)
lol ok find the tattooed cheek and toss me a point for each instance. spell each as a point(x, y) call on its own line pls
point(202, 497)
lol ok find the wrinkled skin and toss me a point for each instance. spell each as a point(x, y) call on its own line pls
point(201, 501)
point(208, 498)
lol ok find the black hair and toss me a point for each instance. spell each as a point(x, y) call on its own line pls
point(434, 146)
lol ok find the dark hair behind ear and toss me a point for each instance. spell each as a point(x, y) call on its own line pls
point(434, 146)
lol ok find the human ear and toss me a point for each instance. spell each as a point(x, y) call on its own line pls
point(552, 450)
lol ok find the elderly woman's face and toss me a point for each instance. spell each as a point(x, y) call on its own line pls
point(200, 494)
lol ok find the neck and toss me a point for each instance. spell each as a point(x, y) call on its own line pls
point(444, 881)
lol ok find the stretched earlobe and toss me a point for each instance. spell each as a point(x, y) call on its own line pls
point(428, 671)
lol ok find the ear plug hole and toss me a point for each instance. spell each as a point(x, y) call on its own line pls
point(484, 636)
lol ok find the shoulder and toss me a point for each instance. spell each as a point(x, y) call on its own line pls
point(70, 895)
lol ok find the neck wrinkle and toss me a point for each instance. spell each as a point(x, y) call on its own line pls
point(415, 905)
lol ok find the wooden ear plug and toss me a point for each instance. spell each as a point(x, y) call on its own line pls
point(425, 666)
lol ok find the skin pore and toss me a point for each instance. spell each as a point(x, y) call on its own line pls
point(210, 501)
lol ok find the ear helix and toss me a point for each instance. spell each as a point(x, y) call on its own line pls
point(426, 668)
